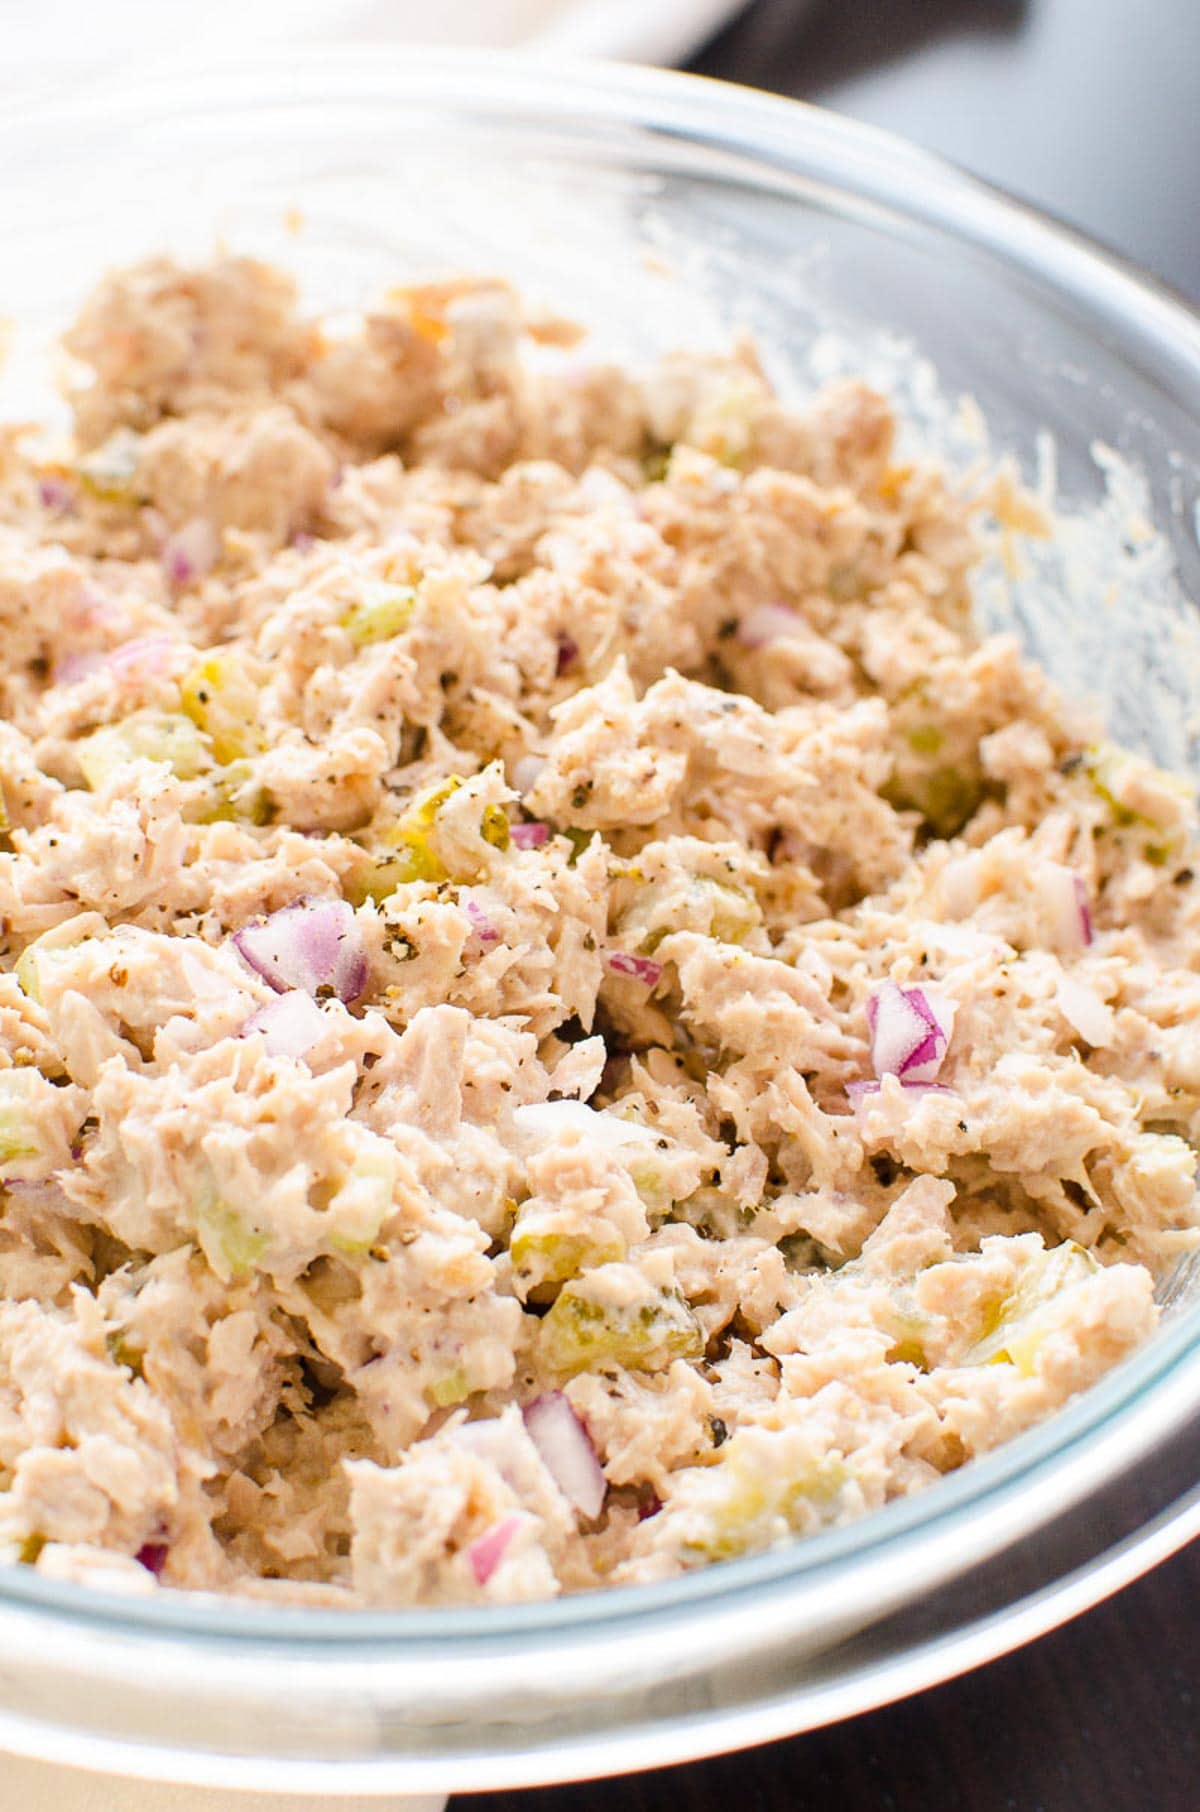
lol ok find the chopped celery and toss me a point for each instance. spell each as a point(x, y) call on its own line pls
point(231, 1243)
point(18, 1115)
point(363, 1201)
point(1018, 1323)
point(110, 471)
point(382, 612)
point(221, 699)
point(454, 1388)
point(583, 1329)
point(160, 736)
point(1113, 773)
point(924, 739)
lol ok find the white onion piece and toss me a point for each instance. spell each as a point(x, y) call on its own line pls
point(191, 552)
point(639, 968)
point(549, 1119)
point(566, 1449)
point(487, 1550)
point(910, 1032)
point(290, 1025)
point(313, 944)
point(1085, 1012)
point(768, 623)
point(526, 771)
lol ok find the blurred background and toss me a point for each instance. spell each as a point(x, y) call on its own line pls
point(1086, 107)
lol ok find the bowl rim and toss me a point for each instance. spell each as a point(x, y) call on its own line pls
point(772, 139)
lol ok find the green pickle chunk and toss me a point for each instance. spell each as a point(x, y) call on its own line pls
point(591, 1326)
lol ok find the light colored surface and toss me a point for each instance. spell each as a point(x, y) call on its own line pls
point(45, 43)
point(38, 1787)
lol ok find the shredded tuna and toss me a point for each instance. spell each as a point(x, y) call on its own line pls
point(563, 1016)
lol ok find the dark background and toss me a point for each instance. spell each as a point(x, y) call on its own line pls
point(1091, 109)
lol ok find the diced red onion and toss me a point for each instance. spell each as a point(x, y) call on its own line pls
point(312, 944)
point(55, 494)
point(566, 1448)
point(481, 924)
point(1070, 914)
point(530, 836)
point(74, 667)
point(153, 1556)
point(302, 541)
point(568, 654)
point(648, 1506)
point(641, 968)
point(768, 623)
point(1086, 929)
point(487, 1550)
point(910, 1031)
point(290, 1025)
point(191, 552)
point(145, 654)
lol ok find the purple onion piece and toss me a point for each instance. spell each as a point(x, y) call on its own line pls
point(55, 494)
point(568, 654)
point(767, 623)
point(1086, 929)
point(640, 968)
point(530, 836)
point(153, 1556)
point(312, 944)
point(567, 1451)
point(487, 1550)
point(481, 923)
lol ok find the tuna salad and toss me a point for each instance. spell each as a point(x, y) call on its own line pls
point(563, 1015)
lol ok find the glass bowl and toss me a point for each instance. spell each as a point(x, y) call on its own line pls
point(661, 210)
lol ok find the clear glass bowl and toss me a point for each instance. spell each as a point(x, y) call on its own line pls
point(662, 210)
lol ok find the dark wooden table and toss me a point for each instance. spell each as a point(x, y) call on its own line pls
point(1091, 108)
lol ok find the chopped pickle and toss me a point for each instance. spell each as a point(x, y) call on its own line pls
point(584, 1328)
point(753, 1497)
point(122, 1352)
point(221, 699)
point(494, 828)
point(160, 736)
point(233, 795)
point(544, 1252)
